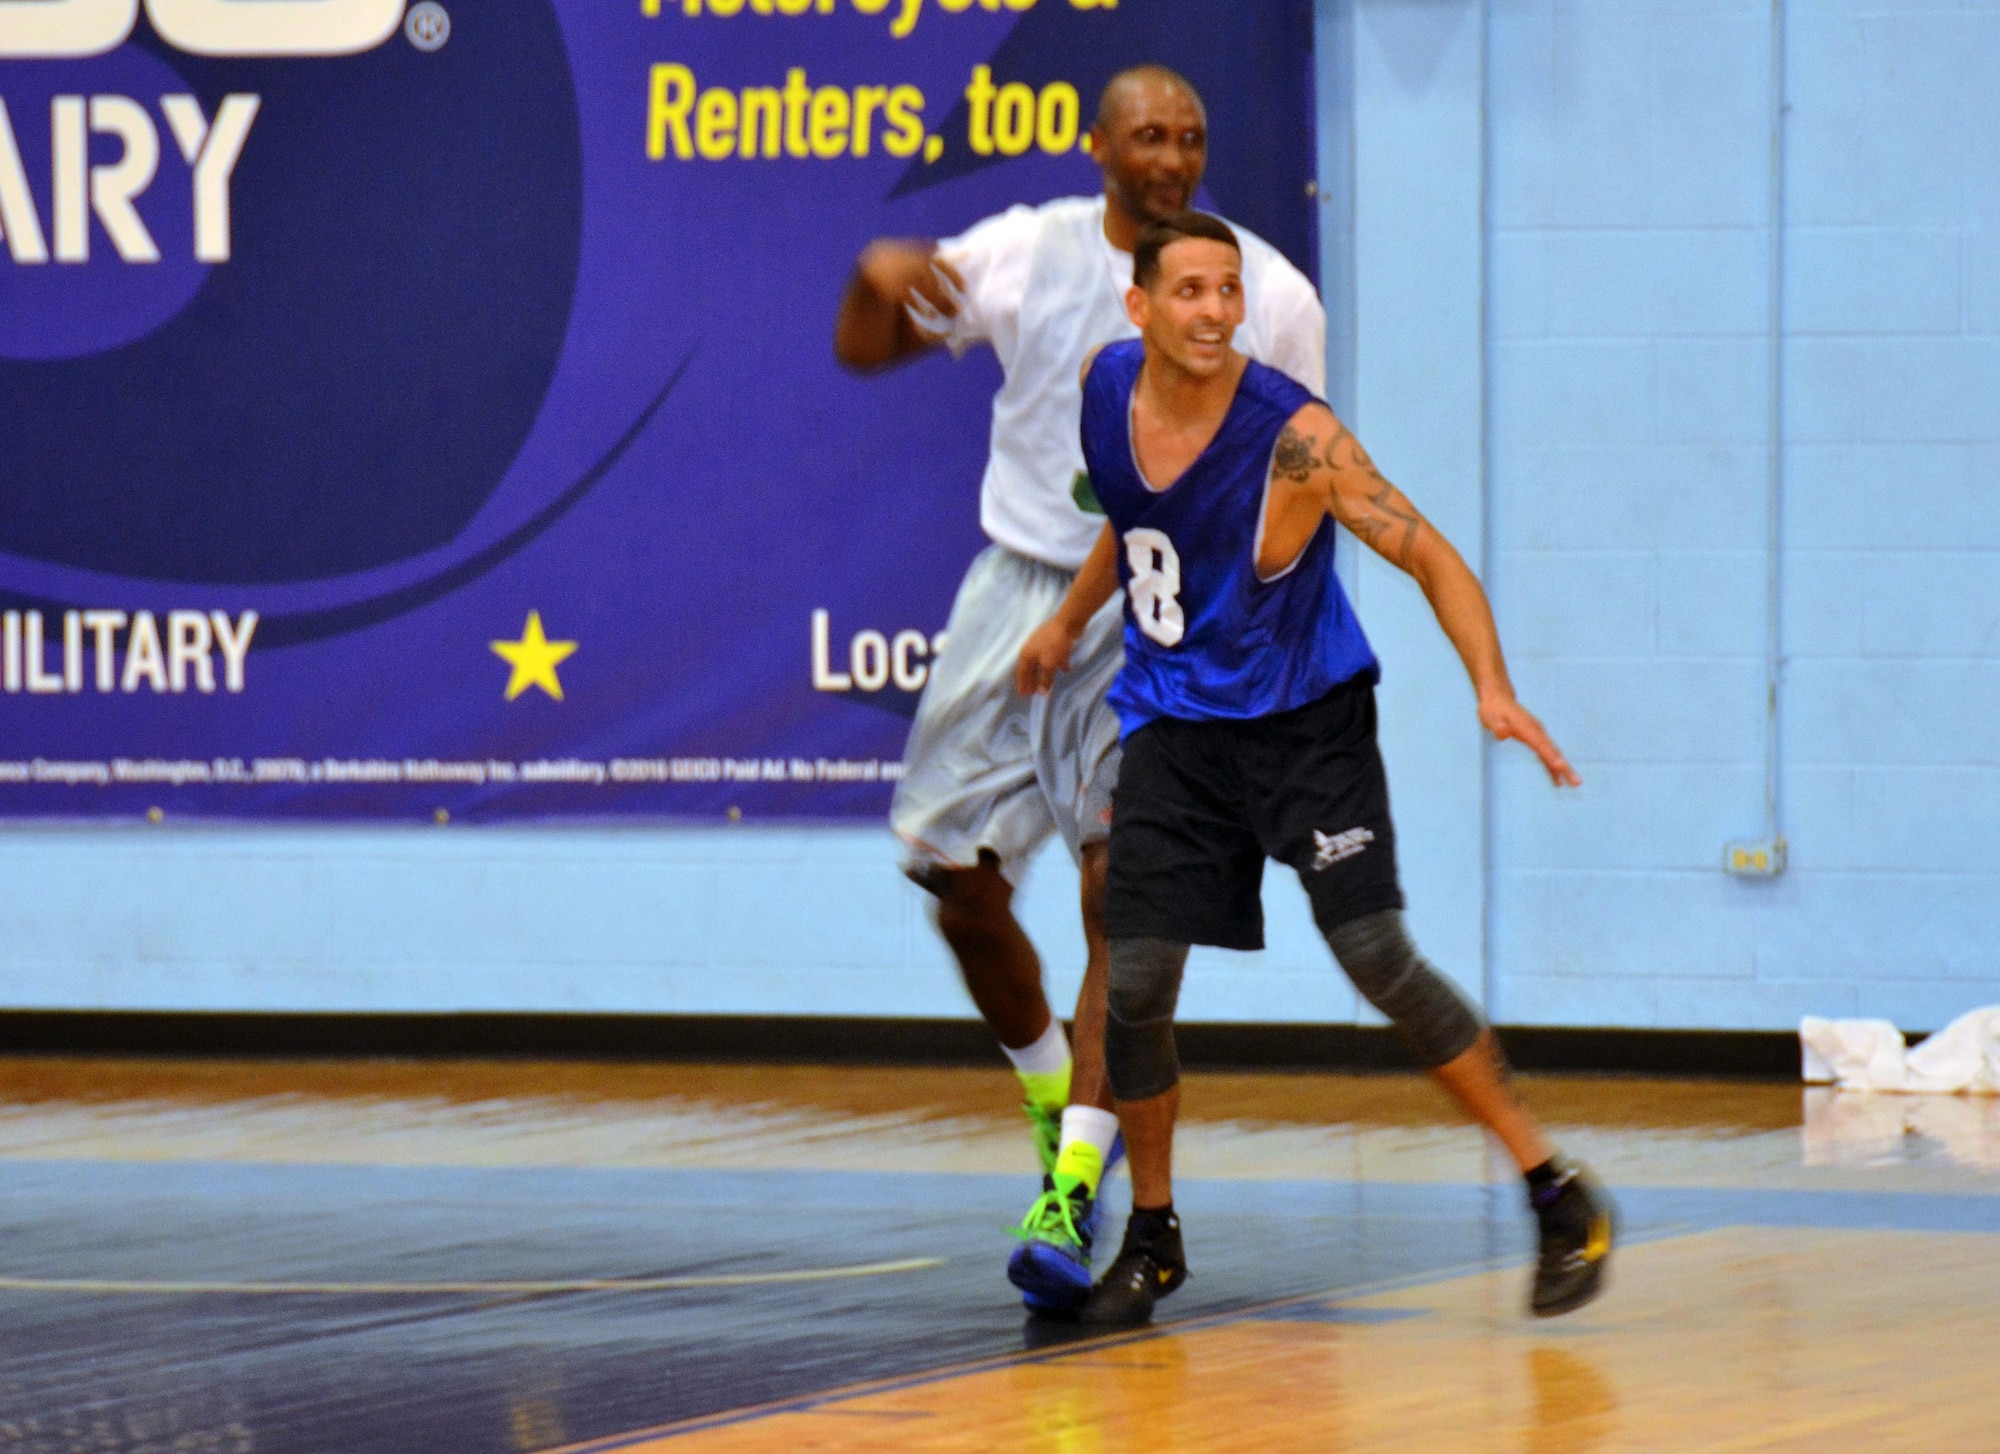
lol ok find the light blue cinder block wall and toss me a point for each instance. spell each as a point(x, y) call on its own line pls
point(1628, 207)
point(1546, 255)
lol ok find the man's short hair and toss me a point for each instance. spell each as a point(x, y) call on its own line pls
point(1148, 71)
point(1156, 237)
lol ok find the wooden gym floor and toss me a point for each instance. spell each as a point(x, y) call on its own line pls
point(398, 1256)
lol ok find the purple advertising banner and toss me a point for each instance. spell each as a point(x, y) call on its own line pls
point(423, 410)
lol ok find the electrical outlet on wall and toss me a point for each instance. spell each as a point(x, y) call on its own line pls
point(1763, 858)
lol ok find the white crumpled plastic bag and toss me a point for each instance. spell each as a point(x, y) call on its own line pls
point(1871, 1055)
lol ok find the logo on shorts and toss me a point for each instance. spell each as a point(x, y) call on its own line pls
point(1331, 848)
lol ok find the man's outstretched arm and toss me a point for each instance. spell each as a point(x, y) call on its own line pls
point(874, 327)
point(1047, 652)
point(1318, 453)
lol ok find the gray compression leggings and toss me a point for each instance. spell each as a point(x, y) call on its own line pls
point(1427, 1009)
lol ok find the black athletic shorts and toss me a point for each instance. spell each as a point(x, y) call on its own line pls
point(1200, 806)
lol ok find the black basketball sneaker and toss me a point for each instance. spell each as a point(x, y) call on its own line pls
point(1149, 1265)
point(1578, 1223)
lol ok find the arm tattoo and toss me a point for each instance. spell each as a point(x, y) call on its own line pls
point(1293, 459)
point(1340, 436)
point(1387, 515)
point(1388, 523)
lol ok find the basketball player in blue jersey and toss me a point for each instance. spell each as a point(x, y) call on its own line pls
point(1247, 711)
point(990, 776)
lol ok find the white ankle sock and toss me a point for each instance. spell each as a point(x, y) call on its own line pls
point(1047, 1056)
point(1088, 1124)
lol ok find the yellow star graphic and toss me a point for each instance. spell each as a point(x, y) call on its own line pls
point(534, 658)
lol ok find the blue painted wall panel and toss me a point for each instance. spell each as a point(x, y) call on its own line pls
point(1618, 328)
point(1419, 406)
point(1912, 280)
point(1553, 495)
point(1631, 283)
point(1711, 603)
point(1982, 272)
point(1582, 603)
point(1835, 496)
point(1691, 808)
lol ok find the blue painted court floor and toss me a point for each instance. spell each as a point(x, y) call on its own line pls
point(283, 1307)
point(485, 1256)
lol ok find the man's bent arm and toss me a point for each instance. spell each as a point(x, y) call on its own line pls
point(1096, 582)
point(1382, 518)
point(1047, 651)
point(874, 327)
point(1456, 597)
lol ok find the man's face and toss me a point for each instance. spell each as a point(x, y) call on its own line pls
point(1194, 306)
point(1152, 145)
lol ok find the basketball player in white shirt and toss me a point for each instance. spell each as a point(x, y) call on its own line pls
point(989, 774)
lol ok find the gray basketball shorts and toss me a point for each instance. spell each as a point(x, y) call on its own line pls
point(987, 768)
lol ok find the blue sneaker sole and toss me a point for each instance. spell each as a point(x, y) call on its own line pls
point(1049, 1281)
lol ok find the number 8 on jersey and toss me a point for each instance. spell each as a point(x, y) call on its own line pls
point(1156, 585)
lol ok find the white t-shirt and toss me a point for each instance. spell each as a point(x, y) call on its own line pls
point(1044, 286)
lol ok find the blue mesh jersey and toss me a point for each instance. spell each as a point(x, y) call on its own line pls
point(1204, 637)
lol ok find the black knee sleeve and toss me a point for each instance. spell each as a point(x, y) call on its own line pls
point(1427, 1009)
point(1139, 1031)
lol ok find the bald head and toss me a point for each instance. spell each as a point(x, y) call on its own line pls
point(1135, 82)
point(1151, 139)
